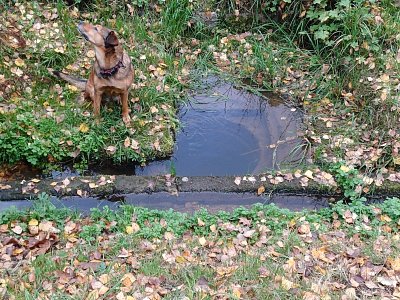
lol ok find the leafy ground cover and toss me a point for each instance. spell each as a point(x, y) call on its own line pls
point(44, 121)
point(339, 60)
point(344, 252)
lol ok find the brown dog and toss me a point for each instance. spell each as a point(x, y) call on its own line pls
point(112, 72)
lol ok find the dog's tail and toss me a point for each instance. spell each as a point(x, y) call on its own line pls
point(77, 82)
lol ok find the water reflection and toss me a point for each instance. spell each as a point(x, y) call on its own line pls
point(228, 131)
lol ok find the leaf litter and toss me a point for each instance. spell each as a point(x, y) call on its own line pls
point(246, 258)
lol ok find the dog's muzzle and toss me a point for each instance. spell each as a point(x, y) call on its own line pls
point(81, 32)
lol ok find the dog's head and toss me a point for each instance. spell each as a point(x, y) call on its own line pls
point(98, 35)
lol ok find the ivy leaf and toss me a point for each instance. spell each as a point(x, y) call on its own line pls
point(321, 34)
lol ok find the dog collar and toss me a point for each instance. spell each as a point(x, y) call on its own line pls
point(110, 72)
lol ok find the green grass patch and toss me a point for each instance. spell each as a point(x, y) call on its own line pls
point(45, 123)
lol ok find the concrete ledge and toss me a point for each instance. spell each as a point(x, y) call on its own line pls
point(108, 186)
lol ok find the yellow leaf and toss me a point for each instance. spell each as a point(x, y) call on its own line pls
point(93, 295)
point(17, 251)
point(396, 160)
point(291, 265)
point(103, 289)
point(72, 88)
point(83, 128)
point(19, 62)
point(287, 284)
point(344, 168)
point(33, 222)
point(385, 218)
point(129, 229)
point(325, 101)
point(180, 259)
point(237, 293)
point(132, 229)
point(319, 253)
point(292, 223)
point(394, 263)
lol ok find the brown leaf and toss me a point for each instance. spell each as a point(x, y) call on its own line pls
point(89, 265)
point(11, 241)
point(304, 229)
point(263, 272)
point(128, 280)
point(260, 190)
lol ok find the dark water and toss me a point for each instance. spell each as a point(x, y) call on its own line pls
point(183, 202)
point(228, 131)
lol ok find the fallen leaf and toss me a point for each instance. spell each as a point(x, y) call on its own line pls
point(238, 180)
point(308, 174)
point(127, 142)
point(202, 241)
point(128, 280)
point(83, 128)
point(260, 190)
point(17, 229)
point(111, 149)
point(33, 222)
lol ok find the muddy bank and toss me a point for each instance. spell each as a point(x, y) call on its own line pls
point(110, 186)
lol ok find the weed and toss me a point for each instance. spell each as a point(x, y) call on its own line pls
point(90, 232)
point(348, 179)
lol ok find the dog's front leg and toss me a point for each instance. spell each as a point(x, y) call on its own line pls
point(125, 110)
point(96, 103)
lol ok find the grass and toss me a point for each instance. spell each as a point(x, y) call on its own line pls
point(47, 124)
point(234, 255)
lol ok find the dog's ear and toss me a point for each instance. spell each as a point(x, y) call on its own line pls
point(111, 40)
